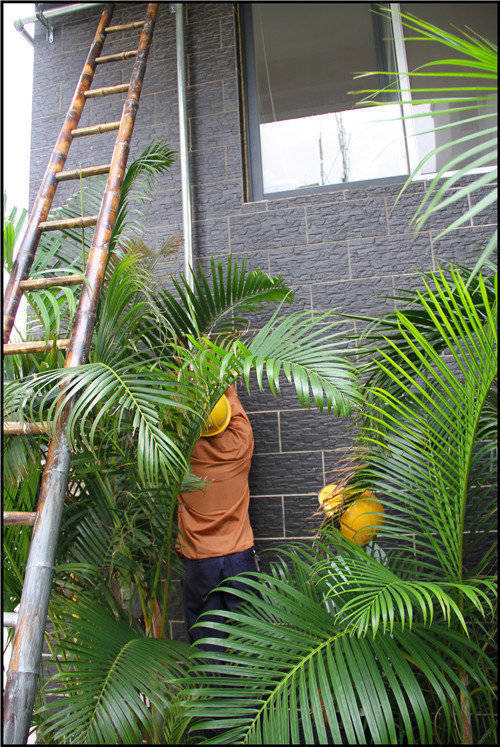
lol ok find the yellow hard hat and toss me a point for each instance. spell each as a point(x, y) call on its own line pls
point(362, 520)
point(331, 499)
point(219, 418)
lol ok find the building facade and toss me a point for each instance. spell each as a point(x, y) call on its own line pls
point(341, 245)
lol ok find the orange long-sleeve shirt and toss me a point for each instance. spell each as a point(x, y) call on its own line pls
point(214, 521)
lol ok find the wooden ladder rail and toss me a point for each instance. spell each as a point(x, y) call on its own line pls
point(31, 618)
point(45, 195)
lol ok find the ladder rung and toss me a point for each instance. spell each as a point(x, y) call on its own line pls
point(23, 518)
point(9, 619)
point(37, 346)
point(117, 56)
point(106, 91)
point(95, 129)
point(124, 27)
point(55, 225)
point(58, 280)
point(62, 176)
point(14, 428)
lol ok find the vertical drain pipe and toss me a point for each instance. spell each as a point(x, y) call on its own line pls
point(178, 9)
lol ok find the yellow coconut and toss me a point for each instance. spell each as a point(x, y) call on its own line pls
point(331, 499)
point(219, 418)
point(362, 520)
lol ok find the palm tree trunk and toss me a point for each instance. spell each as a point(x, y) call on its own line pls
point(465, 711)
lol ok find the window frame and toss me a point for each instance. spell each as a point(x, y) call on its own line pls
point(252, 155)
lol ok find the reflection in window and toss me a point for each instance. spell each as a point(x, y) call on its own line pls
point(482, 18)
point(311, 133)
point(333, 148)
point(304, 127)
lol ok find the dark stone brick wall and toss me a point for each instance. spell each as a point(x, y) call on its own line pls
point(345, 249)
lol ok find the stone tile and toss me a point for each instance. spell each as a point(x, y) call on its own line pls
point(265, 432)
point(221, 198)
point(407, 282)
point(161, 75)
point(354, 296)
point(44, 132)
point(254, 261)
point(203, 34)
point(165, 208)
point(401, 215)
point(178, 631)
point(110, 74)
point(388, 254)
point(106, 109)
point(311, 262)
point(204, 99)
point(266, 517)
point(46, 101)
point(319, 430)
point(79, 33)
point(208, 165)
point(335, 462)
point(210, 130)
point(387, 189)
point(271, 552)
point(166, 110)
point(275, 474)
point(202, 11)
point(462, 246)
point(90, 151)
point(227, 31)
point(64, 68)
point(234, 163)
point(300, 520)
point(318, 198)
point(270, 229)
point(42, 48)
point(353, 218)
point(210, 237)
point(488, 215)
point(230, 91)
point(167, 234)
point(214, 65)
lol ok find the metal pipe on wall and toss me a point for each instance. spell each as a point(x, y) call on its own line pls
point(53, 13)
point(177, 8)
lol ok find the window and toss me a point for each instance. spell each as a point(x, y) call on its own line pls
point(303, 131)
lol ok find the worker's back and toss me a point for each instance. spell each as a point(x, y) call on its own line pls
point(214, 521)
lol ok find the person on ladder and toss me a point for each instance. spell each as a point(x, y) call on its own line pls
point(215, 538)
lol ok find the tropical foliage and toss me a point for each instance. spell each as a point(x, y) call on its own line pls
point(338, 644)
point(159, 359)
point(462, 86)
point(334, 643)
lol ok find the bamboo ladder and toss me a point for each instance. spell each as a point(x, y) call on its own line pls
point(31, 618)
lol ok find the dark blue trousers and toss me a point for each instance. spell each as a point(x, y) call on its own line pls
point(200, 578)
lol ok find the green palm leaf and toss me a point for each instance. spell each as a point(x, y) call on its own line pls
point(291, 675)
point(467, 77)
point(218, 304)
point(112, 681)
point(420, 434)
point(369, 596)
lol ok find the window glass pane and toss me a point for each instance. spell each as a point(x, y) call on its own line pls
point(311, 132)
point(481, 18)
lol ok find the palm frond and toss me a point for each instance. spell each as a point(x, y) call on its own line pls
point(467, 88)
point(111, 680)
point(370, 597)
point(282, 680)
point(137, 189)
point(218, 304)
point(419, 440)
